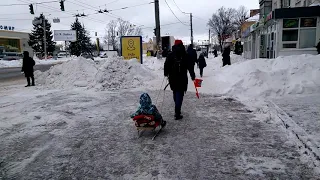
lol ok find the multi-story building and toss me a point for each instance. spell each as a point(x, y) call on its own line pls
point(14, 41)
point(286, 27)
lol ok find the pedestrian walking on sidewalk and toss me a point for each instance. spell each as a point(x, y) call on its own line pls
point(192, 54)
point(176, 68)
point(201, 63)
point(27, 68)
point(226, 56)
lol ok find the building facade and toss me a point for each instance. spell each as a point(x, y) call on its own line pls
point(13, 41)
point(288, 27)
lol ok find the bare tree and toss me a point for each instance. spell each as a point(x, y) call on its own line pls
point(223, 24)
point(111, 34)
point(241, 16)
point(118, 28)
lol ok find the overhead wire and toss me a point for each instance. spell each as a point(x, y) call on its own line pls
point(174, 13)
point(29, 3)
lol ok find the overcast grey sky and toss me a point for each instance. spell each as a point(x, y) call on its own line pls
point(19, 16)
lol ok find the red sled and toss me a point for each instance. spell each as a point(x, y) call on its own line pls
point(146, 123)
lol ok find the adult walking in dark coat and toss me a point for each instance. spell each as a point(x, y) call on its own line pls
point(192, 54)
point(201, 63)
point(27, 68)
point(176, 67)
point(226, 56)
point(215, 52)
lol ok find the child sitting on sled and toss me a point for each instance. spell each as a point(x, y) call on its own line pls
point(147, 114)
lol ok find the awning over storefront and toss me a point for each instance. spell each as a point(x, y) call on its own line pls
point(297, 12)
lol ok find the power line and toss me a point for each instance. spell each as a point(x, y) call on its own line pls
point(131, 6)
point(174, 13)
point(178, 7)
point(28, 3)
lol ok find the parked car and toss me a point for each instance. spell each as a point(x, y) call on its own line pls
point(87, 56)
point(104, 55)
point(9, 56)
point(62, 55)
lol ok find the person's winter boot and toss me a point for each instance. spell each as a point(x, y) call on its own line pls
point(27, 85)
point(32, 78)
point(178, 116)
point(163, 124)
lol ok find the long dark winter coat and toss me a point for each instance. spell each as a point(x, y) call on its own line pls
point(202, 61)
point(192, 54)
point(318, 47)
point(27, 65)
point(178, 81)
point(226, 56)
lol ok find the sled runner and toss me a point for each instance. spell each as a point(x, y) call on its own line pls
point(147, 123)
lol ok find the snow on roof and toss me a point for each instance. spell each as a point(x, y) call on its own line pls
point(254, 18)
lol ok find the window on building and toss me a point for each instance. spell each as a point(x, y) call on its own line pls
point(307, 38)
point(290, 35)
point(299, 33)
point(290, 45)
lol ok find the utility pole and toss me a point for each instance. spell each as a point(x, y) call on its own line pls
point(158, 34)
point(209, 37)
point(44, 37)
point(191, 29)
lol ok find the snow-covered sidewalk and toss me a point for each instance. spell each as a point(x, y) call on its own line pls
point(75, 123)
point(86, 135)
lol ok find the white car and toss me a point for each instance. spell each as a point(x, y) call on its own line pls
point(104, 55)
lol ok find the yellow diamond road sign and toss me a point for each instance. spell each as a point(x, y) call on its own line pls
point(131, 47)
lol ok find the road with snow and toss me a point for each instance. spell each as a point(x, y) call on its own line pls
point(15, 72)
point(79, 134)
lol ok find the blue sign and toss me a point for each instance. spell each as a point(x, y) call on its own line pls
point(7, 28)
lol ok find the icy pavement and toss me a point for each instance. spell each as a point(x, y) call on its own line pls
point(305, 112)
point(88, 135)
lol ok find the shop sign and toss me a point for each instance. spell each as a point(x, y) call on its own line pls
point(7, 28)
point(290, 23)
point(269, 16)
point(308, 22)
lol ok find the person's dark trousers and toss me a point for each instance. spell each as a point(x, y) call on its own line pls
point(201, 72)
point(178, 99)
point(28, 80)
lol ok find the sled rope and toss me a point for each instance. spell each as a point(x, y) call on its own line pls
point(158, 94)
point(164, 96)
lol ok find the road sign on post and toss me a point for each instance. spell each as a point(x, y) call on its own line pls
point(131, 47)
point(65, 35)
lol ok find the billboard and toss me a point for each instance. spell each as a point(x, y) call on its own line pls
point(131, 47)
point(65, 35)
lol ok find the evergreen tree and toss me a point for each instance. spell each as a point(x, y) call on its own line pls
point(83, 43)
point(36, 41)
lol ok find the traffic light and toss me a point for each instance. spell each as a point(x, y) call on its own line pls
point(62, 5)
point(31, 9)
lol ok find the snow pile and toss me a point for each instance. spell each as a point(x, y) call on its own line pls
point(14, 63)
point(106, 74)
point(153, 63)
point(117, 73)
point(75, 73)
point(272, 77)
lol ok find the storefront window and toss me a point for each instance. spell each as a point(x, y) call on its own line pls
point(308, 22)
point(290, 23)
point(290, 35)
point(307, 38)
point(291, 45)
point(299, 33)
